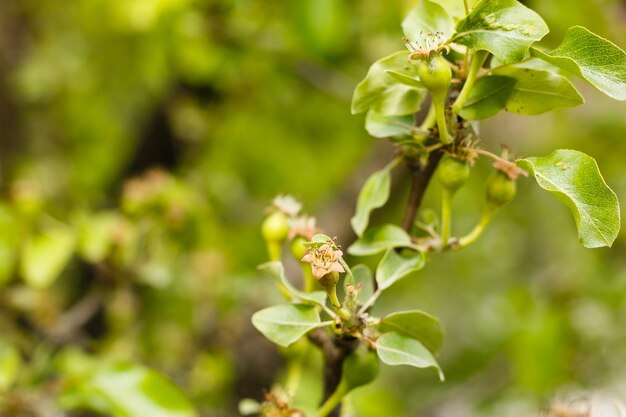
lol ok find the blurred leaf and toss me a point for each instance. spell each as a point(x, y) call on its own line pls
point(277, 271)
point(10, 364)
point(395, 266)
point(506, 28)
point(45, 256)
point(374, 194)
point(95, 236)
point(395, 349)
point(426, 18)
point(380, 239)
point(488, 96)
point(285, 324)
point(416, 324)
point(381, 92)
point(596, 60)
point(537, 92)
point(574, 179)
point(136, 391)
point(455, 7)
point(385, 126)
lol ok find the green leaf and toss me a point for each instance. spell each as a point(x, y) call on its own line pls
point(380, 239)
point(417, 325)
point(537, 91)
point(285, 324)
point(506, 28)
point(596, 60)
point(405, 79)
point(10, 364)
point(427, 17)
point(381, 92)
point(395, 266)
point(396, 349)
point(386, 126)
point(574, 179)
point(455, 7)
point(488, 96)
point(277, 271)
point(45, 256)
point(136, 391)
point(374, 194)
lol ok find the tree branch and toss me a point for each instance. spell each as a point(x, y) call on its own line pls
point(420, 177)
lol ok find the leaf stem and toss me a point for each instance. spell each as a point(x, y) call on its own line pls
point(333, 401)
point(466, 6)
point(478, 59)
point(370, 302)
point(446, 216)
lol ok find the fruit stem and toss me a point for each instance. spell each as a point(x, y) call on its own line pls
point(333, 401)
point(309, 280)
point(477, 63)
point(439, 103)
point(334, 301)
point(274, 250)
point(446, 216)
point(478, 230)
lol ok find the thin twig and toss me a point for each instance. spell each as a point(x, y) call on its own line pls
point(420, 177)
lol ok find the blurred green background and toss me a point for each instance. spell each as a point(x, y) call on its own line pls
point(150, 135)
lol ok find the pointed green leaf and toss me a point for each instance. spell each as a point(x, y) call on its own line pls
point(277, 271)
point(596, 60)
point(396, 349)
point(488, 96)
point(380, 239)
point(10, 364)
point(381, 92)
point(381, 126)
point(506, 28)
point(285, 324)
point(45, 256)
point(374, 194)
point(425, 18)
point(417, 325)
point(574, 179)
point(136, 391)
point(395, 266)
point(537, 91)
point(405, 79)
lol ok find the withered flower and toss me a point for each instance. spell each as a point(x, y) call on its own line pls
point(324, 259)
point(304, 226)
point(287, 204)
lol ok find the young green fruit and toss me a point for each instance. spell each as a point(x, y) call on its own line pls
point(435, 74)
point(275, 227)
point(500, 189)
point(453, 173)
point(360, 368)
point(298, 250)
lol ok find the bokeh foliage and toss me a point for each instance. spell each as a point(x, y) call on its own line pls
point(144, 138)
